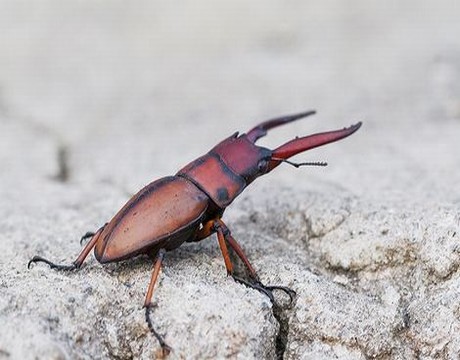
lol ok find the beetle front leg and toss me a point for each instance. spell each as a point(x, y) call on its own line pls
point(78, 262)
point(148, 300)
point(224, 236)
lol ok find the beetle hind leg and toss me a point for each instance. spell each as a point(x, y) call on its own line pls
point(224, 236)
point(148, 301)
point(52, 265)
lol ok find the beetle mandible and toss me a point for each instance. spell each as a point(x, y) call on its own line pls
point(188, 206)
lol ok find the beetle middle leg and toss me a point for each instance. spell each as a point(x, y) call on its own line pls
point(148, 300)
point(78, 262)
point(224, 236)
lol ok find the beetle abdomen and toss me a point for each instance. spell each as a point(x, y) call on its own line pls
point(166, 210)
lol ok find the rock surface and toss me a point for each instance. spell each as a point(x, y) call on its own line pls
point(99, 98)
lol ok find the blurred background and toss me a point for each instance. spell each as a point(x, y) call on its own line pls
point(148, 85)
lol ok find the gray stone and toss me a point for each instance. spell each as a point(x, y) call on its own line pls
point(99, 98)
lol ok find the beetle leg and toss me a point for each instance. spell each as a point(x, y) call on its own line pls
point(78, 262)
point(148, 300)
point(224, 236)
point(239, 251)
point(88, 235)
point(221, 236)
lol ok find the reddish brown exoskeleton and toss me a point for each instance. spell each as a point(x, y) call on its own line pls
point(188, 206)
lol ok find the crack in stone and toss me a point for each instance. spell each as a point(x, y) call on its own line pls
point(355, 344)
point(282, 318)
point(63, 173)
point(313, 235)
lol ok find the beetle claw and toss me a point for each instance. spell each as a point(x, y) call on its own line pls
point(267, 290)
point(166, 349)
point(86, 236)
point(51, 265)
point(291, 293)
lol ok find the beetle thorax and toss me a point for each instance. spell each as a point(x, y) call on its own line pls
point(227, 169)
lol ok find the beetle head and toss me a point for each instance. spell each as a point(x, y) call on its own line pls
point(251, 161)
point(243, 156)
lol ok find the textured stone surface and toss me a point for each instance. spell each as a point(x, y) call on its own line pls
point(99, 98)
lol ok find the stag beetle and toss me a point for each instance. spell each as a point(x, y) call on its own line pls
point(188, 206)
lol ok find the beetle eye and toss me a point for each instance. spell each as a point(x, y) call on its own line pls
point(262, 165)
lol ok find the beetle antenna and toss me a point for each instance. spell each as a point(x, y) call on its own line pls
point(297, 165)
